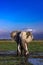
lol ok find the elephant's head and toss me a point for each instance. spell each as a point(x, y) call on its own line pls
point(26, 36)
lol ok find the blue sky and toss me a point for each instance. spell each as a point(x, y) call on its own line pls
point(19, 14)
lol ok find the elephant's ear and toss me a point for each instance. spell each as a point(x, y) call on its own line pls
point(13, 35)
point(28, 34)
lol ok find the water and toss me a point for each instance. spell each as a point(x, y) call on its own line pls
point(36, 61)
point(22, 61)
point(9, 58)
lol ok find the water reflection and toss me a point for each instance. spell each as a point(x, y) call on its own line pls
point(24, 62)
point(9, 58)
point(36, 61)
point(31, 61)
point(15, 61)
point(21, 61)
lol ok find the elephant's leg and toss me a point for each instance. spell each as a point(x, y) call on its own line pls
point(26, 49)
point(18, 49)
point(26, 52)
point(21, 49)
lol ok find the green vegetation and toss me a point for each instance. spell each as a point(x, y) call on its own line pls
point(33, 46)
point(36, 46)
point(11, 60)
point(8, 45)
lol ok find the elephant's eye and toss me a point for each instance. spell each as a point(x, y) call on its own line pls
point(27, 34)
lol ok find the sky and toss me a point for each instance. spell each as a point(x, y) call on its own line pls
point(20, 14)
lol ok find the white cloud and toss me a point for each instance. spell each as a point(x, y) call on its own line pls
point(29, 30)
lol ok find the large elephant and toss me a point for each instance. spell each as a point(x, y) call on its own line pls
point(22, 38)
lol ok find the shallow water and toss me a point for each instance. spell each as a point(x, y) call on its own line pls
point(22, 61)
point(36, 61)
point(9, 58)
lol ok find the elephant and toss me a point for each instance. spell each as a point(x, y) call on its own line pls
point(22, 39)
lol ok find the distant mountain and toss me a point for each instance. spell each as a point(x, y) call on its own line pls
point(38, 36)
point(6, 35)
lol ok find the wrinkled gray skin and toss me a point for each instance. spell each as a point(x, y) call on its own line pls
point(22, 38)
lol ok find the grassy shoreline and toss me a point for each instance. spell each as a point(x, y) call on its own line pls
point(33, 46)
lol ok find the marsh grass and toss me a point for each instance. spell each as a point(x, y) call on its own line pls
point(12, 60)
point(33, 46)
